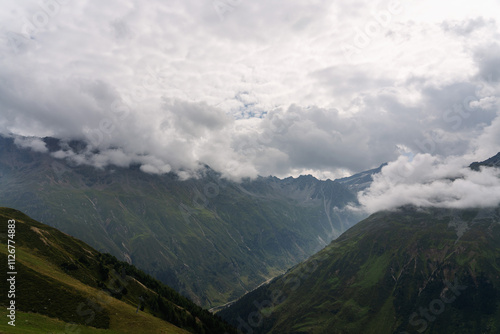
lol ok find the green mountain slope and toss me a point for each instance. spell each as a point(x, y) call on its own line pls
point(410, 271)
point(64, 285)
point(211, 239)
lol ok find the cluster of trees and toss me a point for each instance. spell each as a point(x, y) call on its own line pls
point(167, 303)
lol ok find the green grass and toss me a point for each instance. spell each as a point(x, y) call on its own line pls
point(33, 323)
point(384, 319)
point(64, 280)
point(123, 318)
point(372, 271)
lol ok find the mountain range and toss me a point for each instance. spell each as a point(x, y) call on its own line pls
point(268, 255)
point(408, 270)
point(209, 238)
point(412, 270)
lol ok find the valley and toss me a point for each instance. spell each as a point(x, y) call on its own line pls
point(209, 238)
point(267, 255)
point(407, 271)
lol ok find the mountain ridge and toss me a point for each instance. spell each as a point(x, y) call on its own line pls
point(61, 283)
point(209, 238)
point(383, 273)
point(494, 161)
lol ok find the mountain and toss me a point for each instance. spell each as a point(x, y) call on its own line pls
point(408, 271)
point(61, 284)
point(209, 238)
point(360, 181)
point(491, 162)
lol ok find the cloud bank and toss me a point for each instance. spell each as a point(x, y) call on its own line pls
point(252, 87)
point(428, 181)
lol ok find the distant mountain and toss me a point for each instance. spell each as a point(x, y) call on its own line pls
point(491, 162)
point(63, 285)
point(360, 181)
point(209, 238)
point(408, 271)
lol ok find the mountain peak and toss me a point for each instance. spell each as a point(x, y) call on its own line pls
point(494, 161)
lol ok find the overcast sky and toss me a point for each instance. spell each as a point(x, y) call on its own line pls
point(254, 87)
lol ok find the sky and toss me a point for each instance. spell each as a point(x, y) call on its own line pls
point(256, 87)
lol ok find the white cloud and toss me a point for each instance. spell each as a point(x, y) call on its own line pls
point(263, 87)
point(430, 181)
point(36, 144)
point(147, 168)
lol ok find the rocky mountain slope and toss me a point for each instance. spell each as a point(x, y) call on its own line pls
point(360, 181)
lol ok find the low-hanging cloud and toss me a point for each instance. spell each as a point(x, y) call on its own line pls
point(428, 181)
point(35, 144)
point(261, 88)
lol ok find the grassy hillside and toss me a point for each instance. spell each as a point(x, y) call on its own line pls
point(211, 239)
point(62, 284)
point(410, 271)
